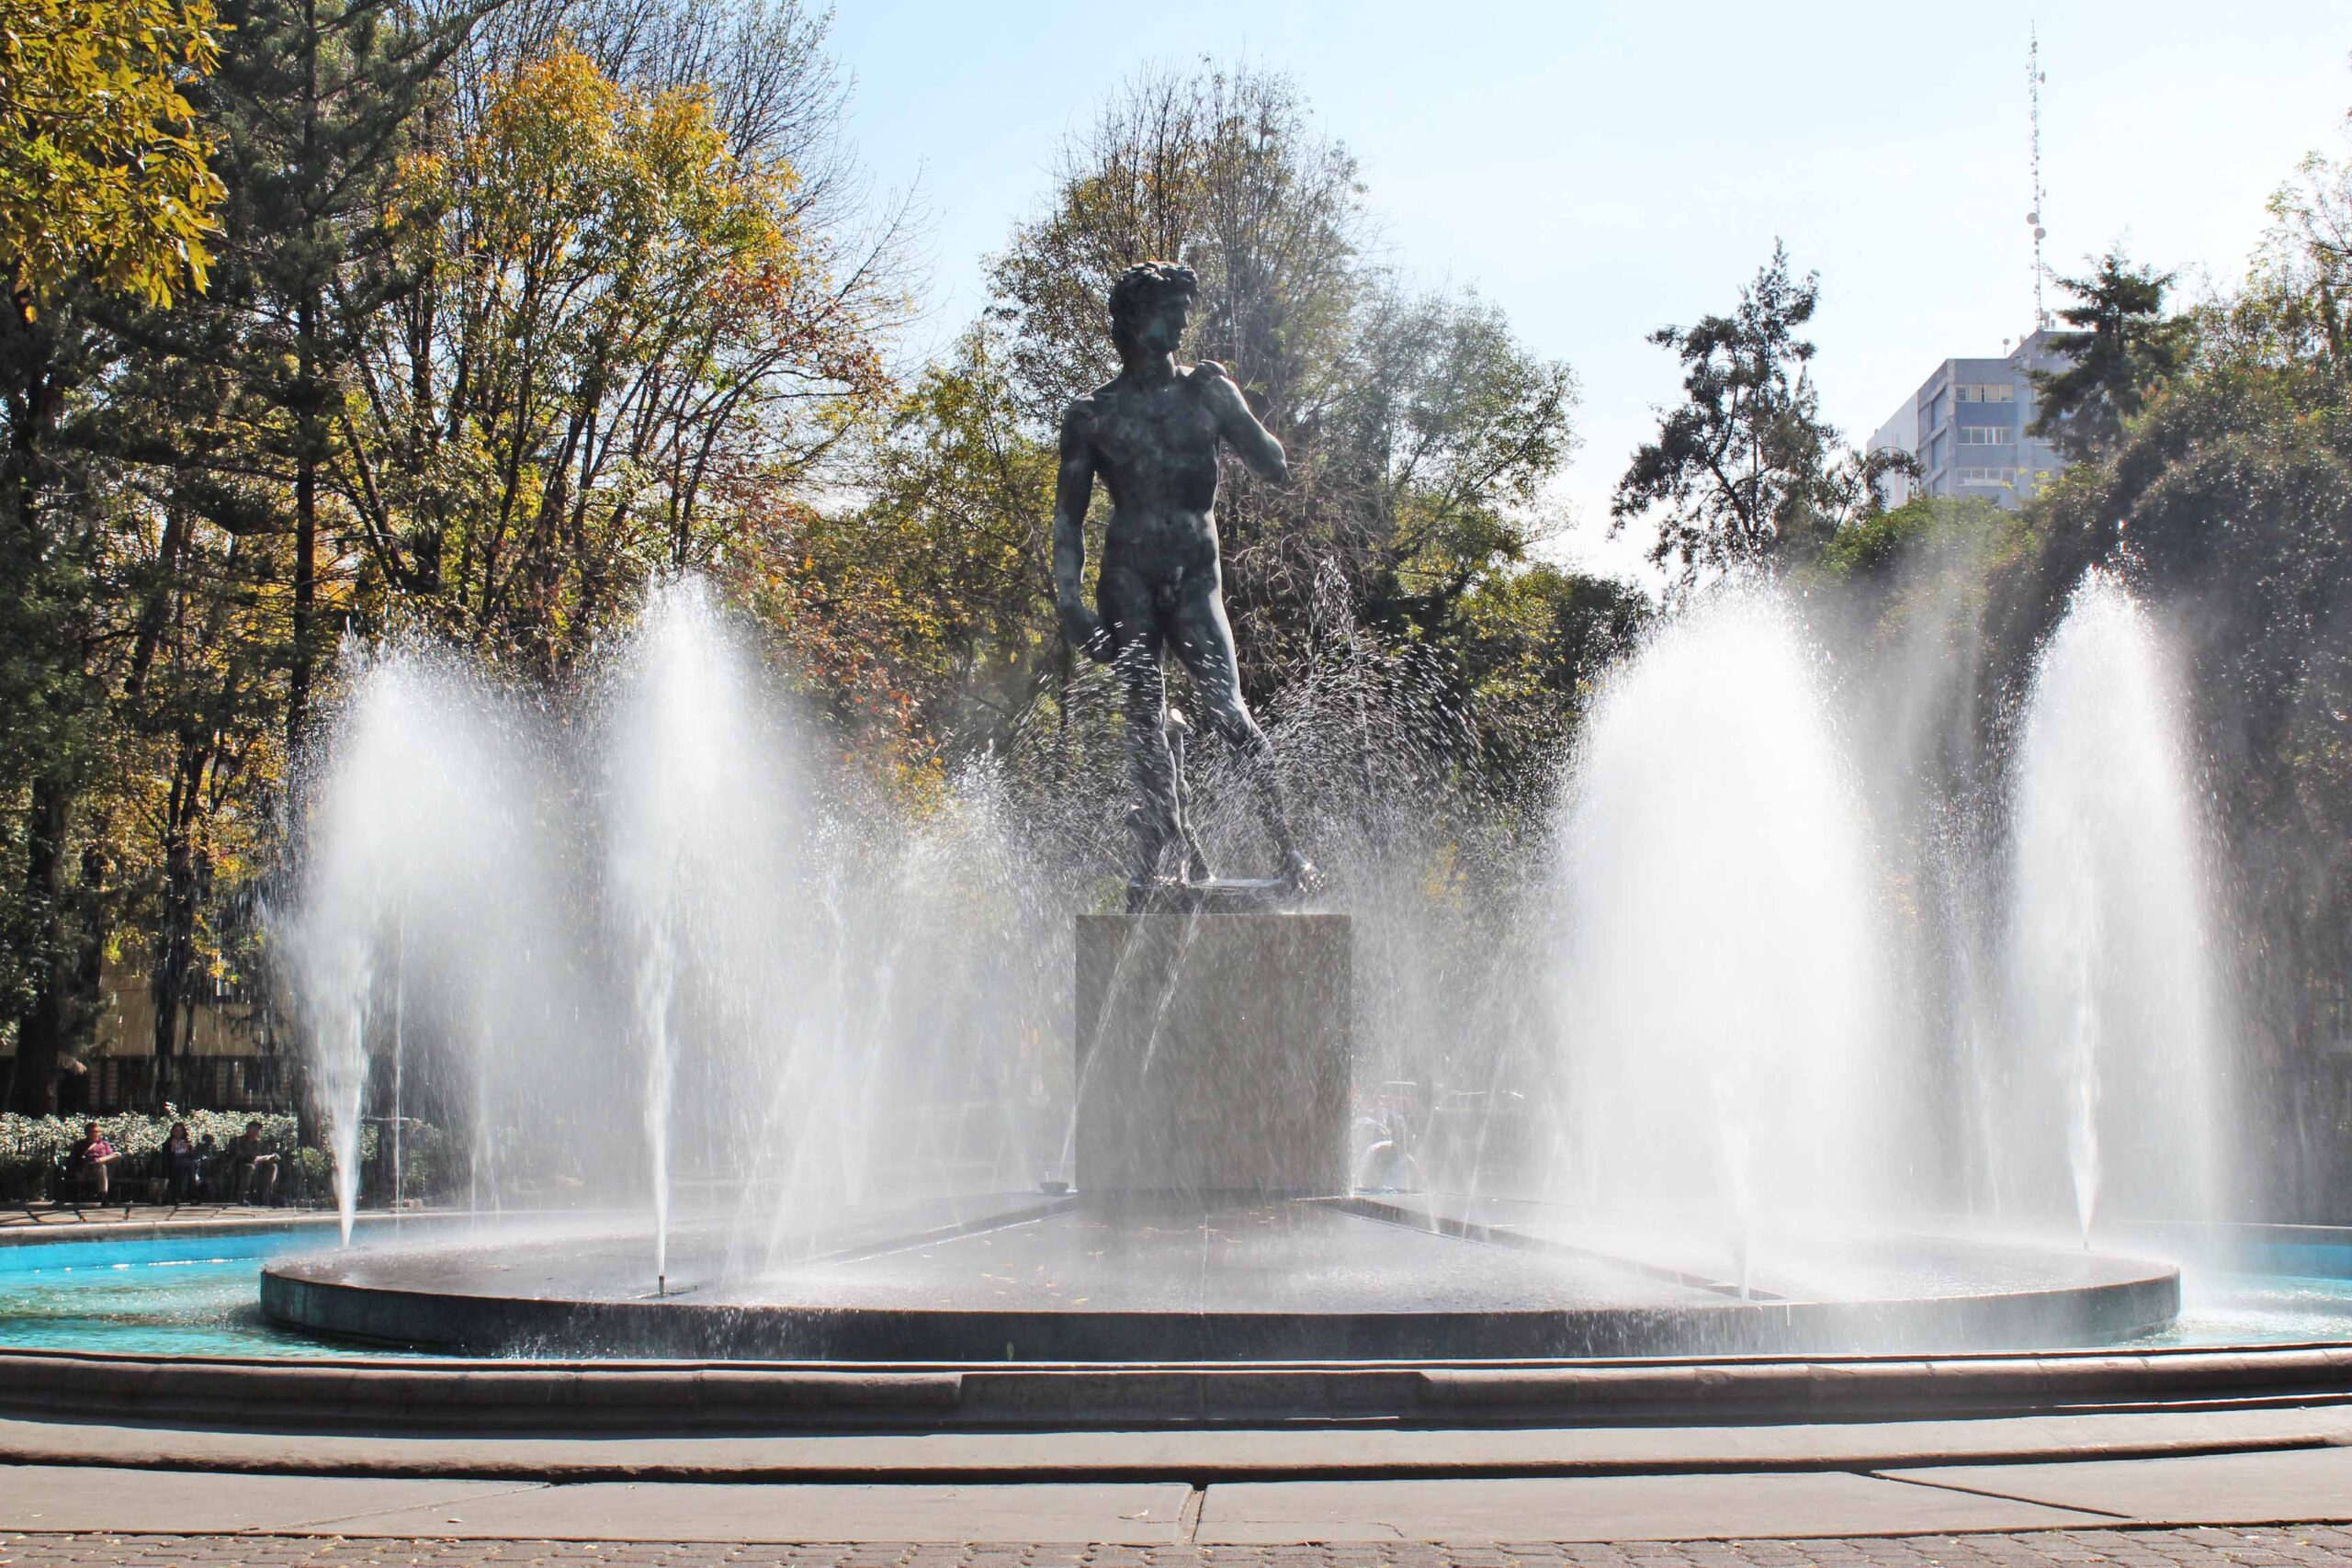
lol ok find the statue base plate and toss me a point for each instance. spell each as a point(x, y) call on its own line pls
point(1216, 895)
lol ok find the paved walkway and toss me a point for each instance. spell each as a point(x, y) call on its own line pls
point(2265, 1508)
point(2290, 1547)
point(2238, 1490)
point(1219, 1456)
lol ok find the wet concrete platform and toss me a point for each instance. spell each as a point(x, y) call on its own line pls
point(1033, 1279)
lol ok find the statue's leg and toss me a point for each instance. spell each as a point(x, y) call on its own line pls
point(1196, 859)
point(1153, 814)
point(1202, 638)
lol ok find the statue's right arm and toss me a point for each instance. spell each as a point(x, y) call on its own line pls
point(1073, 491)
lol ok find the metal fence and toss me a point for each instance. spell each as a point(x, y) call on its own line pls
point(191, 1083)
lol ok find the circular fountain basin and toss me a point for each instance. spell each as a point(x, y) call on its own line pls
point(1031, 1278)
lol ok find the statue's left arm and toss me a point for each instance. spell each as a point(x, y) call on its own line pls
point(1239, 427)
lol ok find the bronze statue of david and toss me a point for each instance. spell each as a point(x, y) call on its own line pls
point(1152, 435)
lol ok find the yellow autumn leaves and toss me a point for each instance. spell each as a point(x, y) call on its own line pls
point(103, 167)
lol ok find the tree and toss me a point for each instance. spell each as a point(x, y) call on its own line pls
point(105, 192)
point(2216, 476)
point(1745, 472)
point(619, 330)
point(102, 170)
point(2297, 306)
point(199, 714)
point(221, 426)
point(2123, 344)
point(1536, 643)
point(321, 100)
point(1439, 450)
point(929, 608)
point(1223, 171)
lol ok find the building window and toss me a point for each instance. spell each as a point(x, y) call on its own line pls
point(1986, 436)
point(2005, 477)
point(1988, 392)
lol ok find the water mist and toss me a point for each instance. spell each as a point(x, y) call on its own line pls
point(705, 835)
point(425, 893)
point(1723, 988)
point(2115, 996)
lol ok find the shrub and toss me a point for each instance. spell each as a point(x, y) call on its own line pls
point(33, 1147)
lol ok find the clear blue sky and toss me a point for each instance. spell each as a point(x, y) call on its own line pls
point(1599, 171)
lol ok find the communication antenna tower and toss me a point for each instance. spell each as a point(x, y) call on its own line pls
point(2033, 80)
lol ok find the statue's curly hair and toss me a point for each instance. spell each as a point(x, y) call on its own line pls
point(1138, 292)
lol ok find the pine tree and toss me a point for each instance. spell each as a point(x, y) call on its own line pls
point(317, 101)
point(2122, 345)
point(1745, 472)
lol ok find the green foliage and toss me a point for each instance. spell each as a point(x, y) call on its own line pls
point(2230, 497)
point(2216, 472)
point(32, 1147)
point(106, 194)
point(2121, 348)
point(513, 317)
point(1744, 472)
point(927, 611)
point(2295, 310)
point(1886, 542)
point(315, 1167)
point(1455, 428)
point(434, 1161)
point(1534, 645)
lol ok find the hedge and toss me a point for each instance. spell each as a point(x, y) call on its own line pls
point(31, 1147)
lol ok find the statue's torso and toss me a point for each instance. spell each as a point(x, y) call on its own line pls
point(1154, 449)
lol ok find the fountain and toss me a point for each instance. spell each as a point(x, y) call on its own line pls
point(2114, 995)
point(1723, 985)
point(429, 907)
point(815, 1185)
point(704, 822)
point(892, 1085)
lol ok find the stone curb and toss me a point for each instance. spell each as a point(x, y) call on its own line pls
point(156, 1227)
point(751, 1397)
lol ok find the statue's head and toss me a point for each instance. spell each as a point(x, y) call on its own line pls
point(1149, 307)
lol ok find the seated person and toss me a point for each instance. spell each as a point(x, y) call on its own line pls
point(183, 1170)
point(86, 1161)
point(252, 1170)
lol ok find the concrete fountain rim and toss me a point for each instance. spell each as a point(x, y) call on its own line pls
point(688, 1395)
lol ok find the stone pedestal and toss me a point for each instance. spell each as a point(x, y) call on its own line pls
point(1213, 1054)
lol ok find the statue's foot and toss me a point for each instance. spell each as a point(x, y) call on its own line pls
point(1157, 895)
